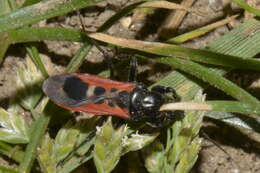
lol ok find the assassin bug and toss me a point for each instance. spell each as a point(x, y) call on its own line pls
point(101, 96)
point(93, 94)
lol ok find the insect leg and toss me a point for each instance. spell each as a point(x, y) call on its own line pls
point(133, 70)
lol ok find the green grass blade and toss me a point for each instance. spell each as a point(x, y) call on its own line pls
point(30, 2)
point(242, 41)
point(233, 106)
point(74, 163)
point(245, 6)
point(78, 58)
point(40, 11)
point(214, 79)
point(155, 48)
point(4, 37)
point(246, 122)
point(7, 170)
point(45, 33)
point(38, 130)
point(4, 7)
point(11, 152)
point(5, 42)
point(34, 54)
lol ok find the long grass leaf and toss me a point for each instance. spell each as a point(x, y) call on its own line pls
point(40, 11)
point(163, 49)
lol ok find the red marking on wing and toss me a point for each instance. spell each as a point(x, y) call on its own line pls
point(100, 109)
point(104, 82)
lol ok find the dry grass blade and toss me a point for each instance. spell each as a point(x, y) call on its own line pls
point(186, 106)
point(201, 31)
point(169, 5)
point(173, 21)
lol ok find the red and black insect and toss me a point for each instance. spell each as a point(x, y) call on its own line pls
point(101, 96)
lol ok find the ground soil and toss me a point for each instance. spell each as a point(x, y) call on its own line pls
point(243, 146)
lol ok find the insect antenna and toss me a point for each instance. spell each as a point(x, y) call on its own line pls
point(107, 57)
point(219, 147)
